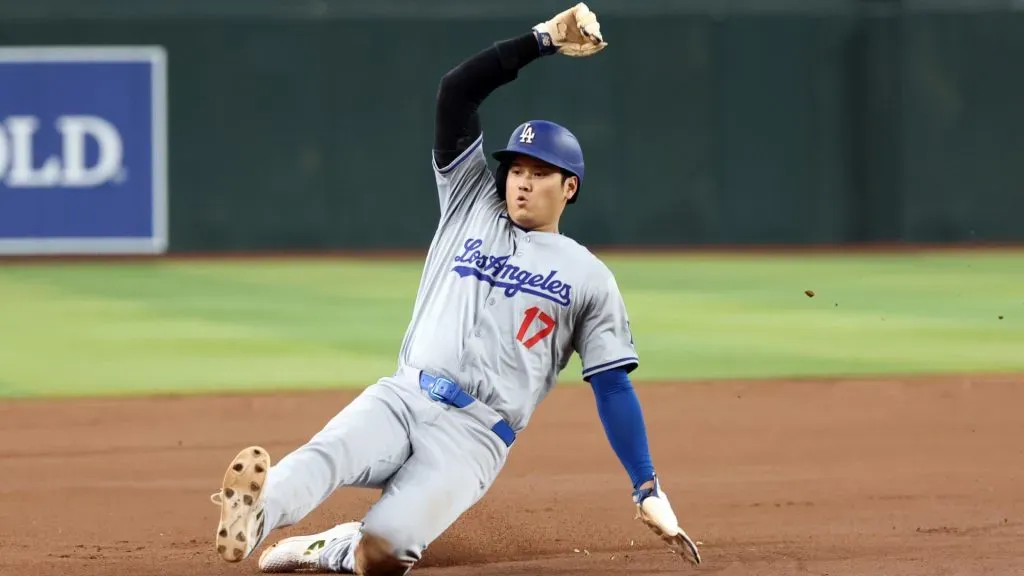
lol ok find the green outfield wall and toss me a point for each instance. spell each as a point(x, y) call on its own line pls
point(308, 125)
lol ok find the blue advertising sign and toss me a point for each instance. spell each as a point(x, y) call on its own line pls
point(83, 150)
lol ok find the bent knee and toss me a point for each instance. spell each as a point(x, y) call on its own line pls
point(375, 556)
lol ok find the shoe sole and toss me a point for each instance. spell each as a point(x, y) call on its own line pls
point(240, 491)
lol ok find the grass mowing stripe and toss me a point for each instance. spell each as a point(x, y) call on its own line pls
point(347, 319)
point(157, 336)
point(265, 324)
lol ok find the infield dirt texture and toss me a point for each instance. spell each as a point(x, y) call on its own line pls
point(868, 475)
point(894, 477)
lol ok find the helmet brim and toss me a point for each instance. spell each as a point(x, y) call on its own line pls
point(509, 154)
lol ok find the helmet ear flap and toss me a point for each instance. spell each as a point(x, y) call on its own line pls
point(500, 177)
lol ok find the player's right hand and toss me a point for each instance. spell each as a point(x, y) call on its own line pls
point(573, 32)
point(654, 510)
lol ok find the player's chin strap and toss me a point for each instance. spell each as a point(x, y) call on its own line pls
point(654, 510)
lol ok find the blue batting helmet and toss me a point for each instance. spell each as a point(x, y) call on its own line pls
point(544, 141)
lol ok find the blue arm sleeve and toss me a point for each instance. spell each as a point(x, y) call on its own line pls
point(623, 421)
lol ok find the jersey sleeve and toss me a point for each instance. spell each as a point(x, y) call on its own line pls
point(603, 338)
point(464, 181)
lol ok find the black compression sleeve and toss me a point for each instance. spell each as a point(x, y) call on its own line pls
point(464, 88)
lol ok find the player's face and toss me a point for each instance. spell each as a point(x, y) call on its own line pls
point(536, 193)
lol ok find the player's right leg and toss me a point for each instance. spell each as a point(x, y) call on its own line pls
point(363, 445)
point(455, 461)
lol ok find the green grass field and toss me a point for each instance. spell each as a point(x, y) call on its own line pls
point(190, 326)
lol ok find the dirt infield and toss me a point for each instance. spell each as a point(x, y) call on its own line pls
point(812, 477)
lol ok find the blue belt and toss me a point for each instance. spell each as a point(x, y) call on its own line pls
point(448, 392)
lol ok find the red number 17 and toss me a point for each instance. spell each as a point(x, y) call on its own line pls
point(531, 315)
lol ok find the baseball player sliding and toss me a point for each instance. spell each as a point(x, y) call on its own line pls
point(503, 303)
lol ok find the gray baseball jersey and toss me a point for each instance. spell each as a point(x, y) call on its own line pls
point(500, 310)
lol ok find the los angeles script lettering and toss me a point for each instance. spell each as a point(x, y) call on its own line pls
point(496, 271)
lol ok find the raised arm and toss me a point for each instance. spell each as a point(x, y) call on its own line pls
point(459, 164)
point(465, 87)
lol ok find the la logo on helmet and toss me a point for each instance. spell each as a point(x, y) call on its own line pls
point(527, 134)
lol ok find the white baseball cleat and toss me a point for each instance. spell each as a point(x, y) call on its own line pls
point(241, 504)
point(303, 553)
